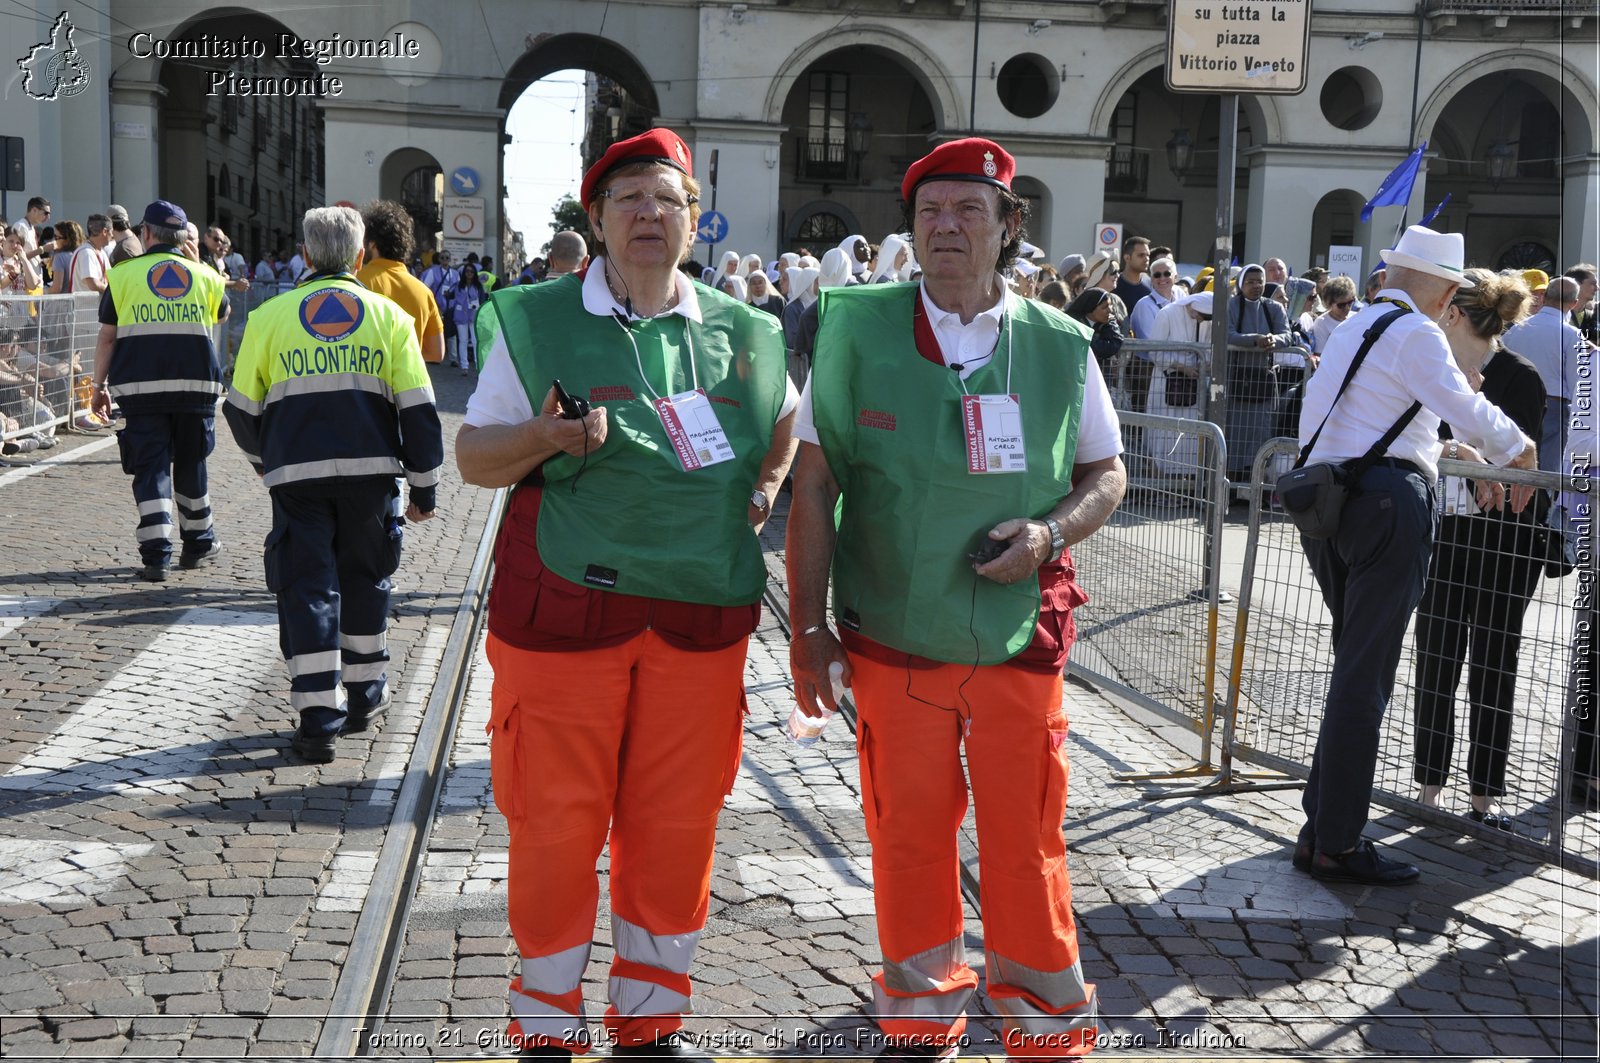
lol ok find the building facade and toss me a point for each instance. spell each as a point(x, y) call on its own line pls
point(814, 107)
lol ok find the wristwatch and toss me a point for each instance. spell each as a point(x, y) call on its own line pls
point(759, 500)
point(1058, 541)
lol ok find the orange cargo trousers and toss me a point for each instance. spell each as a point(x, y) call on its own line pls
point(642, 738)
point(914, 794)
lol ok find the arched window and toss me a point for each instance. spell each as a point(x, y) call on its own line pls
point(822, 228)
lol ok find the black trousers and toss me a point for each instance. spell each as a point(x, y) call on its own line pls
point(328, 558)
point(1371, 574)
point(1480, 582)
point(166, 453)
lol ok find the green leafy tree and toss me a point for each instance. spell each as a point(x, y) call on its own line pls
point(568, 213)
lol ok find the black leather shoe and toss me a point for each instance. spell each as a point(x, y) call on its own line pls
point(357, 720)
point(1495, 818)
point(317, 749)
point(154, 572)
point(187, 560)
point(1303, 850)
point(671, 1046)
point(1363, 865)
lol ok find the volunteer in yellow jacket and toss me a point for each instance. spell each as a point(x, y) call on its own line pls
point(628, 578)
point(156, 358)
point(973, 440)
point(331, 402)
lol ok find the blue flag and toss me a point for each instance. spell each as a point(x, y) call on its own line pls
point(1434, 213)
point(1396, 188)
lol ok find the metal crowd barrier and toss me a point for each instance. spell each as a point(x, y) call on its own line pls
point(47, 346)
point(1149, 629)
point(1282, 659)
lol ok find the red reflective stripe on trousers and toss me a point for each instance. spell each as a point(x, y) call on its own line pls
point(678, 983)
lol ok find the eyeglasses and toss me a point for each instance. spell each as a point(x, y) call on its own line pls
point(1161, 276)
point(667, 200)
point(1347, 304)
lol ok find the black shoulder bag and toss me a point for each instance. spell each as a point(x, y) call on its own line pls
point(1314, 495)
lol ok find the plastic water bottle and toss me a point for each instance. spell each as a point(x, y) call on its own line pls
point(805, 730)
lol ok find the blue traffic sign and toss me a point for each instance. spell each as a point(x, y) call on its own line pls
point(464, 181)
point(713, 228)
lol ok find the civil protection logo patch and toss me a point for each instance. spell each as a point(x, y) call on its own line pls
point(331, 314)
point(169, 280)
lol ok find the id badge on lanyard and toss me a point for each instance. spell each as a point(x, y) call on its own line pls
point(691, 425)
point(993, 427)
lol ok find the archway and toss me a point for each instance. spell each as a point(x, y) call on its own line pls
point(414, 179)
point(1142, 191)
point(1499, 147)
point(857, 117)
point(252, 164)
point(613, 98)
point(1037, 193)
point(1336, 220)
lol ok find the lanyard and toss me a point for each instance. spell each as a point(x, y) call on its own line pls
point(688, 342)
point(1005, 327)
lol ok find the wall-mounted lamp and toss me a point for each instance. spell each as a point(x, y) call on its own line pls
point(736, 12)
point(1038, 24)
point(1358, 43)
point(1180, 152)
point(1501, 161)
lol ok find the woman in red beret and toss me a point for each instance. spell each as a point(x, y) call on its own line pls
point(628, 580)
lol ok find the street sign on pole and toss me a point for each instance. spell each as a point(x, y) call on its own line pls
point(463, 217)
point(1258, 47)
point(1108, 237)
point(713, 228)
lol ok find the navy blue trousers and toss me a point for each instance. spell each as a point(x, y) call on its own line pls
point(166, 453)
point(328, 558)
point(1371, 574)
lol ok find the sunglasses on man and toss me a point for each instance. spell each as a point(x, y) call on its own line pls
point(1162, 275)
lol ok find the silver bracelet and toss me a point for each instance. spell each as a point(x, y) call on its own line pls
point(812, 630)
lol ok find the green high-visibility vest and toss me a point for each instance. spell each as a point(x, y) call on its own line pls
point(890, 425)
point(637, 522)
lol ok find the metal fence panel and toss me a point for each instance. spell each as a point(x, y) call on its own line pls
point(1149, 627)
point(47, 346)
point(1282, 660)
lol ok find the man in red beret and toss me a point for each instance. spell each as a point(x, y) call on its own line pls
point(628, 580)
point(973, 439)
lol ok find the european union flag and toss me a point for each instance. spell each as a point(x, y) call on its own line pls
point(1396, 188)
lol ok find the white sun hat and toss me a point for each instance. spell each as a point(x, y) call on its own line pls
point(1436, 254)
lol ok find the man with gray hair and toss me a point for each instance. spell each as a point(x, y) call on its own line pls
point(156, 357)
point(331, 402)
point(568, 253)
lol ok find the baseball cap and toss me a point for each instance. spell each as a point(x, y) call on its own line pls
point(165, 214)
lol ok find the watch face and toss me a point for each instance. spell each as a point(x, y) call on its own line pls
point(758, 500)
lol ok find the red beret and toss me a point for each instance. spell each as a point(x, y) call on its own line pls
point(658, 145)
point(971, 159)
